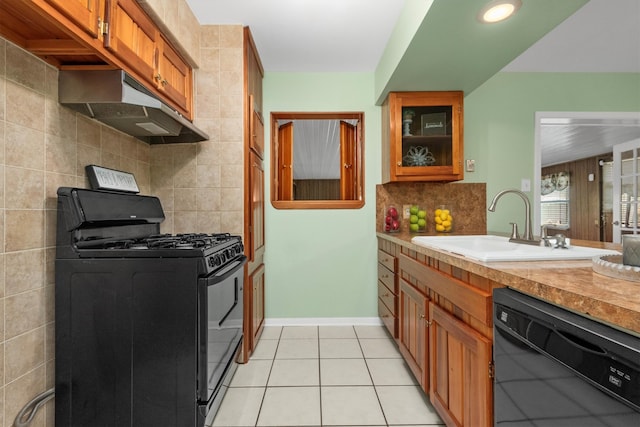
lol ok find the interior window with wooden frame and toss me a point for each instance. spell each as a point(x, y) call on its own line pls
point(317, 160)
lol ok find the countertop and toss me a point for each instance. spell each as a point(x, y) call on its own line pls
point(570, 284)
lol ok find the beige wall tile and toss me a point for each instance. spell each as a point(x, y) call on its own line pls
point(161, 177)
point(24, 271)
point(1, 189)
point(231, 130)
point(231, 36)
point(60, 121)
point(24, 188)
point(50, 258)
point(232, 153)
point(211, 126)
point(24, 229)
point(231, 199)
point(166, 198)
point(87, 155)
point(2, 311)
point(208, 105)
point(185, 222)
point(231, 59)
point(60, 154)
point(210, 200)
point(53, 181)
point(24, 312)
point(51, 82)
point(24, 146)
point(88, 131)
point(24, 68)
point(24, 353)
point(111, 141)
point(209, 222)
point(209, 62)
point(3, 97)
point(209, 153)
point(229, 175)
point(185, 200)
point(231, 84)
point(232, 222)
point(20, 391)
point(209, 36)
point(110, 160)
point(24, 107)
point(1, 376)
point(2, 157)
point(208, 176)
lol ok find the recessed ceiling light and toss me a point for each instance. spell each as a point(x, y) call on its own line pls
point(498, 10)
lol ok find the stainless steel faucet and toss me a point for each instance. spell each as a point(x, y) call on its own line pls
point(528, 233)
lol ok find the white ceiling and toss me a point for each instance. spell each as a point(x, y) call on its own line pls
point(321, 35)
point(310, 35)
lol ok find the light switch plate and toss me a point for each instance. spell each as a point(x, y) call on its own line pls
point(525, 184)
point(471, 165)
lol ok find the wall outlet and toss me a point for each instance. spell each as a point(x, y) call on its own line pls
point(406, 211)
point(525, 184)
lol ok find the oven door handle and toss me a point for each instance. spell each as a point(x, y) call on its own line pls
point(228, 271)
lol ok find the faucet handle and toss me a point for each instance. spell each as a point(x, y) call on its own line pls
point(514, 230)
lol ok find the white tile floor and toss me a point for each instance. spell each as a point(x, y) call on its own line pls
point(325, 376)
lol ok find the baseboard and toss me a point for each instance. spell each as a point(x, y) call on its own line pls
point(323, 321)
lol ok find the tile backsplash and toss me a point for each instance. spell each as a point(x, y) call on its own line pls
point(44, 145)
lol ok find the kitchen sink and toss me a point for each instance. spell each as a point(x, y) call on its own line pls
point(490, 248)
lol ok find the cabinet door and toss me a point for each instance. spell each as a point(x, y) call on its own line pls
point(132, 37)
point(256, 208)
point(461, 387)
point(257, 305)
point(256, 129)
point(425, 136)
point(414, 343)
point(85, 13)
point(173, 77)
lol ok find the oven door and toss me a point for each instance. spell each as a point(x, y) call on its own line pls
point(220, 304)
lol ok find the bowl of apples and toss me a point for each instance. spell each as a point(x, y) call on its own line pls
point(391, 219)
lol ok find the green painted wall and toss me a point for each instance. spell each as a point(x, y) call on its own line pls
point(499, 125)
point(321, 263)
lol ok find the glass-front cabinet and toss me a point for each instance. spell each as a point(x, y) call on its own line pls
point(422, 136)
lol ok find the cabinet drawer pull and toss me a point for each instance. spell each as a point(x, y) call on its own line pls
point(386, 295)
point(384, 276)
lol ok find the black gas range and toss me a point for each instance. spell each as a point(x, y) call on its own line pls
point(148, 325)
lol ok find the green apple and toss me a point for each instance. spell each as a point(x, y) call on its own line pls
point(413, 219)
point(422, 223)
point(413, 210)
point(422, 214)
point(414, 227)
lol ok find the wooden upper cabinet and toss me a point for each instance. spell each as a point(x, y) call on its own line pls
point(173, 76)
point(422, 136)
point(87, 14)
point(132, 37)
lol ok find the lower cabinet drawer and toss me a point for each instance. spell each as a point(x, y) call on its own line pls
point(388, 298)
point(386, 276)
point(388, 319)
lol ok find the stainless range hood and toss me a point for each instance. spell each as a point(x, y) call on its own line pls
point(116, 99)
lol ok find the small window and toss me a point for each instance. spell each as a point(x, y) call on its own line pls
point(554, 200)
point(317, 160)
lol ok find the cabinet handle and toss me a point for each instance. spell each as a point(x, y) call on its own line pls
point(400, 163)
point(386, 295)
point(384, 276)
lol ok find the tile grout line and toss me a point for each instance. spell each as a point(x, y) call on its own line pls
point(375, 390)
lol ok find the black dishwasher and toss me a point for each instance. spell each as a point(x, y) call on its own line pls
point(555, 368)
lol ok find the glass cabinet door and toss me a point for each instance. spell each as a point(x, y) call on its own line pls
point(426, 136)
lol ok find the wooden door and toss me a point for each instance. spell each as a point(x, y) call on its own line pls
point(85, 13)
point(348, 162)
point(132, 37)
point(459, 362)
point(285, 157)
point(414, 339)
point(173, 77)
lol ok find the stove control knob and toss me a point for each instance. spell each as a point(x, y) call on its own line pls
point(211, 262)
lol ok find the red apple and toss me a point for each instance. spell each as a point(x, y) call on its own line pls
point(387, 227)
point(395, 225)
point(392, 212)
point(388, 219)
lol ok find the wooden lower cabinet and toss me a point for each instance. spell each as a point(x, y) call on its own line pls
point(257, 303)
point(445, 336)
point(414, 338)
point(460, 367)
